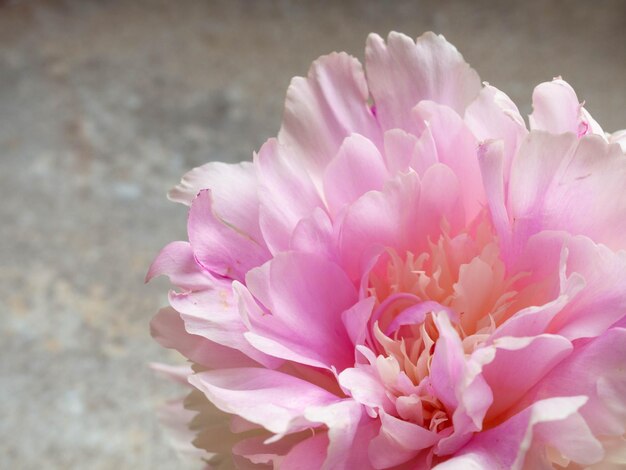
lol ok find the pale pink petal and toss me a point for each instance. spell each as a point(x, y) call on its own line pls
point(364, 385)
point(402, 73)
point(380, 219)
point(491, 160)
point(406, 434)
point(448, 363)
point(493, 116)
point(518, 365)
point(357, 168)
point(233, 189)
point(399, 147)
point(219, 247)
point(301, 289)
point(323, 109)
point(532, 175)
point(213, 314)
point(177, 374)
point(274, 400)
point(281, 179)
point(459, 385)
point(436, 206)
point(564, 183)
point(556, 109)
point(545, 260)
point(607, 300)
point(168, 329)
point(456, 147)
point(345, 433)
point(315, 234)
point(553, 421)
point(398, 443)
point(425, 153)
point(415, 315)
point(619, 138)
point(356, 318)
point(309, 454)
point(615, 454)
point(596, 370)
point(177, 262)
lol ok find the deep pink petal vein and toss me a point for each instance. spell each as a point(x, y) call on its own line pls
point(407, 277)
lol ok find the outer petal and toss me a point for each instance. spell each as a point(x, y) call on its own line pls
point(301, 289)
point(604, 272)
point(564, 183)
point(309, 454)
point(578, 277)
point(402, 73)
point(357, 168)
point(213, 314)
point(346, 432)
point(286, 192)
point(619, 138)
point(554, 422)
point(493, 116)
point(218, 246)
point(595, 369)
point(269, 398)
point(556, 109)
point(177, 262)
point(168, 328)
point(323, 109)
point(234, 191)
point(519, 364)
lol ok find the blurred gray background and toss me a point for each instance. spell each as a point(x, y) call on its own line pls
point(105, 104)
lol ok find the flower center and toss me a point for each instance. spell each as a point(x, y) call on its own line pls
point(463, 278)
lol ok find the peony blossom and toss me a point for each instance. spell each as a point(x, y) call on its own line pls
point(406, 277)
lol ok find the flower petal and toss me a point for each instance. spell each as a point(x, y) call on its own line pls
point(564, 183)
point(269, 398)
point(177, 262)
point(281, 179)
point(380, 219)
point(357, 168)
point(402, 73)
point(302, 289)
point(518, 365)
point(556, 109)
point(553, 421)
point(493, 116)
point(323, 109)
point(346, 434)
point(456, 147)
point(168, 329)
point(595, 369)
point(219, 247)
point(234, 191)
point(213, 314)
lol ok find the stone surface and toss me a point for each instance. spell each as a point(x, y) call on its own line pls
point(104, 105)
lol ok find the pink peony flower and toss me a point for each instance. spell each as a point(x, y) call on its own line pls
point(407, 277)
